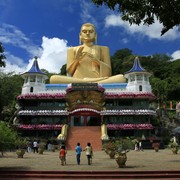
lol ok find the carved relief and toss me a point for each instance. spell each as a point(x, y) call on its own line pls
point(89, 99)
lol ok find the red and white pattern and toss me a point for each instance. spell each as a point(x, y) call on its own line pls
point(129, 95)
point(43, 112)
point(129, 126)
point(40, 127)
point(129, 112)
point(42, 96)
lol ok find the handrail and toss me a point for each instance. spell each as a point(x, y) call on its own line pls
point(63, 134)
point(104, 135)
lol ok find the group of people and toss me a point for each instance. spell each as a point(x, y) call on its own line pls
point(78, 149)
point(138, 146)
point(32, 146)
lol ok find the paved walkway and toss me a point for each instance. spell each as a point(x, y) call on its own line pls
point(137, 161)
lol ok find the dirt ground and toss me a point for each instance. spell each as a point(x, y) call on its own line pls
point(49, 161)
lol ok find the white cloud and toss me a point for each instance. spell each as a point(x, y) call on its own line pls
point(176, 55)
point(13, 64)
point(11, 35)
point(153, 31)
point(54, 54)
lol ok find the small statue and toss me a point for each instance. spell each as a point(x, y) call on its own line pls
point(88, 63)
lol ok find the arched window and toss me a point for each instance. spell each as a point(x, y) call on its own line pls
point(140, 88)
point(39, 79)
point(26, 80)
point(31, 89)
point(139, 77)
point(33, 78)
point(132, 78)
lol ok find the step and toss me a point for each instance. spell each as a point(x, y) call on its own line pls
point(83, 135)
point(90, 174)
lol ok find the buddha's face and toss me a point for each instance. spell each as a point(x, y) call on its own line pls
point(87, 34)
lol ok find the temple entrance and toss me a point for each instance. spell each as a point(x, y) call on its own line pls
point(86, 124)
point(85, 119)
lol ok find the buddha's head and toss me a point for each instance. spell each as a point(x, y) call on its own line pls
point(87, 33)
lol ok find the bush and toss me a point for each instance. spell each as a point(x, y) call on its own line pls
point(21, 143)
point(7, 137)
point(119, 145)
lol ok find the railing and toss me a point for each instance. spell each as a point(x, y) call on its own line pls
point(108, 107)
point(63, 134)
point(45, 108)
point(104, 135)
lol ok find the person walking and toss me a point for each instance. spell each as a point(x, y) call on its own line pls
point(140, 146)
point(30, 146)
point(62, 155)
point(89, 153)
point(35, 146)
point(78, 153)
point(63, 144)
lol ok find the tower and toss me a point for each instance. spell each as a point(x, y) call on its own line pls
point(138, 78)
point(34, 79)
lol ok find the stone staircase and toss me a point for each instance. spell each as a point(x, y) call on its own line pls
point(37, 175)
point(83, 135)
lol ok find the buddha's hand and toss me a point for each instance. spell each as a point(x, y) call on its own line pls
point(96, 62)
point(94, 59)
point(79, 55)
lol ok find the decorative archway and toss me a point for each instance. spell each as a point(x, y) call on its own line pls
point(85, 118)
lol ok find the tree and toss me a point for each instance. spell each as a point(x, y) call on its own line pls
point(121, 56)
point(122, 53)
point(145, 11)
point(7, 137)
point(160, 89)
point(10, 86)
point(63, 70)
point(2, 56)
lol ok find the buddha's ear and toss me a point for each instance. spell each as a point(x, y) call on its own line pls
point(80, 40)
point(95, 39)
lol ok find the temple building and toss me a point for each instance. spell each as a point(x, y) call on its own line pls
point(85, 112)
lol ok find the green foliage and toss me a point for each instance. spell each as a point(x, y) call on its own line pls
point(122, 53)
point(2, 56)
point(10, 86)
point(125, 144)
point(7, 137)
point(160, 89)
point(145, 11)
point(63, 70)
point(21, 143)
point(122, 61)
point(119, 145)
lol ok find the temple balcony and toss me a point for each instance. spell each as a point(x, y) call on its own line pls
point(125, 107)
point(45, 108)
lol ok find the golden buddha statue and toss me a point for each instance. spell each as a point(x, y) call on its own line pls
point(88, 63)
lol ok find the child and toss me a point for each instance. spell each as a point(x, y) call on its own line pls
point(78, 153)
point(89, 153)
point(62, 155)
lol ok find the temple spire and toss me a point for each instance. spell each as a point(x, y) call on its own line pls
point(136, 67)
point(35, 67)
point(138, 78)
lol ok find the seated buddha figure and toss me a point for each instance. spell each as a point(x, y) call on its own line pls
point(88, 62)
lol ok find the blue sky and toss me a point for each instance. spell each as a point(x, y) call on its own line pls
point(46, 28)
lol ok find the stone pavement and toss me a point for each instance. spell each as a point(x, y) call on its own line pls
point(148, 160)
